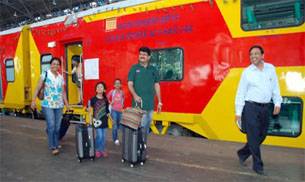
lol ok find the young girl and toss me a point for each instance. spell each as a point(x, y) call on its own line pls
point(116, 98)
point(100, 104)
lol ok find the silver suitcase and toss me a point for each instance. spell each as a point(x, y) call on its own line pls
point(133, 146)
point(85, 147)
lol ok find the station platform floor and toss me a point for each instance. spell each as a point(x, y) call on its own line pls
point(24, 157)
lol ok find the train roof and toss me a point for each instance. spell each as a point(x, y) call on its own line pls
point(92, 11)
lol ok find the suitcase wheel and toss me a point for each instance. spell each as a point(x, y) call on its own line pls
point(131, 165)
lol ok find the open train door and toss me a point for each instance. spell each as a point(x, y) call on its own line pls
point(1, 97)
point(74, 81)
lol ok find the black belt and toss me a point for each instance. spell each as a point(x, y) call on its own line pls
point(258, 104)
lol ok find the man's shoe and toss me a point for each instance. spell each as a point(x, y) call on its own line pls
point(241, 162)
point(259, 171)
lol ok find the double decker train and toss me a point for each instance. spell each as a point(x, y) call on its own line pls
point(200, 48)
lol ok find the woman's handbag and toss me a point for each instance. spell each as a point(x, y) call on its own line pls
point(132, 117)
point(40, 94)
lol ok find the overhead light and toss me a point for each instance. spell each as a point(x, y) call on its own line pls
point(38, 18)
point(93, 4)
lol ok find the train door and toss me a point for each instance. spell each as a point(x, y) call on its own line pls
point(74, 69)
point(1, 97)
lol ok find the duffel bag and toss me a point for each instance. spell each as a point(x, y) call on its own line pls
point(132, 117)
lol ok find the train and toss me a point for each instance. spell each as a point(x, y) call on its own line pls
point(200, 48)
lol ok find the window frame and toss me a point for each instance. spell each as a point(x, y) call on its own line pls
point(284, 26)
point(11, 66)
point(301, 121)
point(170, 48)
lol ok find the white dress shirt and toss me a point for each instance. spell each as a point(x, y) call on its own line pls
point(258, 86)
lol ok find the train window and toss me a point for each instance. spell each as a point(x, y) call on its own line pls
point(169, 63)
point(289, 121)
point(45, 62)
point(271, 14)
point(10, 71)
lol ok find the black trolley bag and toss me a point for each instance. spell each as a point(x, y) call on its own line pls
point(65, 123)
point(133, 146)
point(85, 142)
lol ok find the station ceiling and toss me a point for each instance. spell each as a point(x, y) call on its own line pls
point(14, 13)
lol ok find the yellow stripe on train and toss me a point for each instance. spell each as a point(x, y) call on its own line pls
point(217, 120)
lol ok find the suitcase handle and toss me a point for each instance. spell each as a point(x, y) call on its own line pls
point(78, 122)
point(141, 102)
point(70, 111)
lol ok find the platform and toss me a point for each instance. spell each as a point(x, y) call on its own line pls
point(24, 157)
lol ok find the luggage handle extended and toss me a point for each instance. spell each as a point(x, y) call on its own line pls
point(70, 111)
point(77, 122)
point(141, 102)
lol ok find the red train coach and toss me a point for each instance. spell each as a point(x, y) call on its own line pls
point(200, 48)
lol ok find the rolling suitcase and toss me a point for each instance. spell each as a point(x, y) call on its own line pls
point(84, 136)
point(133, 146)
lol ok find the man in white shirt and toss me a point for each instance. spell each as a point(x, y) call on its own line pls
point(257, 86)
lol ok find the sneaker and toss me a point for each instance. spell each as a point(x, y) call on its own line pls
point(104, 154)
point(117, 142)
point(55, 152)
point(98, 154)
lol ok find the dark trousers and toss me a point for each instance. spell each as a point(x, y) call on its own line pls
point(255, 121)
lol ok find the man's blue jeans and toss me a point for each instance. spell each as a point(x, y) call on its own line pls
point(53, 118)
point(116, 119)
point(146, 122)
point(100, 140)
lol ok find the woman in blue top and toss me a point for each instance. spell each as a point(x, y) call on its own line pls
point(53, 102)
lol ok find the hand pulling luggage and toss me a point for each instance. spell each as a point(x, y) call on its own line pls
point(133, 146)
point(132, 117)
point(85, 147)
point(65, 123)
